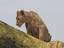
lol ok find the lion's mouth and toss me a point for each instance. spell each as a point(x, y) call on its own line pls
point(18, 25)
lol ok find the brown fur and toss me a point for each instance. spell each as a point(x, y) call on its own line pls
point(34, 25)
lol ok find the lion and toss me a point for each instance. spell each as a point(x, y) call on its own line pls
point(34, 25)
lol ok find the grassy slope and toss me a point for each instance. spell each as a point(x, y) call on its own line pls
point(23, 40)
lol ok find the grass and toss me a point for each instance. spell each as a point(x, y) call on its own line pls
point(14, 38)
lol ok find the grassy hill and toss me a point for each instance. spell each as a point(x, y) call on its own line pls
point(11, 37)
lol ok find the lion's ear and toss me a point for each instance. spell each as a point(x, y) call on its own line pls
point(22, 12)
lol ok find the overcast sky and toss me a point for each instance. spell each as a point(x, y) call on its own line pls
point(51, 11)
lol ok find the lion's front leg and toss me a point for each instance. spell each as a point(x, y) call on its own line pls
point(34, 31)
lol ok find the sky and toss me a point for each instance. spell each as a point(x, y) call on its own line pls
point(51, 12)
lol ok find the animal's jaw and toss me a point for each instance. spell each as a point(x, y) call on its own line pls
point(18, 25)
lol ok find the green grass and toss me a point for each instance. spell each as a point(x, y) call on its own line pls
point(19, 39)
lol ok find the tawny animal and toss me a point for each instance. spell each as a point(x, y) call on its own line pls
point(34, 24)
